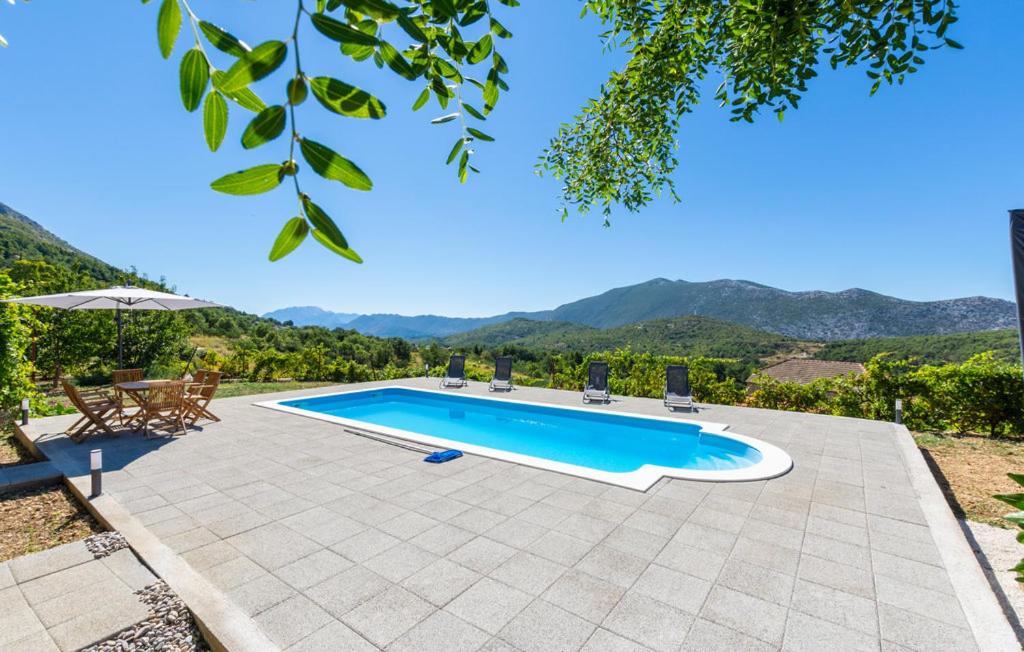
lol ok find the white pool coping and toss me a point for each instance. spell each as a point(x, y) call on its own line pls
point(774, 461)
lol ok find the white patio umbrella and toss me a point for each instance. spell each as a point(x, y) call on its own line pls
point(121, 297)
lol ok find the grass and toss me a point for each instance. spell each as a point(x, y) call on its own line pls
point(246, 388)
point(42, 518)
point(970, 469)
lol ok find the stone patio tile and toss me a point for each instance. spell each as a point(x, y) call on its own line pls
point(911, 572)
point(507, 504)
point(895, 506)
point(388, 615)
point(442, 509)
point(838, 514)
point(365, 509)
point(17, 620)
point(482, 555)
point(52, 585)
point(544, 627)
point(852, 534)
point(707, 636)
point(920, 633)
point(407, 525)
point(894, 528)
point(489, 605)
point(442, 539)
point(260, 594)
point(232, 525)
point(924, 552)
point(170, 527)
point(516, 533)
point(400, 562)
point(613, 565)
point(110, 593)
point(284, 508)
point(921, 601)
point(584, 595)
point(323, 526)
point(233, 573)
point(808, 634)
point(313, 569)
point(528, 572)
point(844, 553)
point(752, 616)
point(603, 640)
point(210, 555)
point(332, 638)
point(273, 546)
point(441, 581)
point(649, 622)
point(364, 545)
point(771, 533)
point(6, 578)
point(477, 519)
point(347, 590)
point(559, 548)
point(654, 523)
point(441, 632)
point(714, 518)
point(699, 563)
point(837, 576)
point(190, 539)
point(292, 620)
point(104, 619)
point(679, 590)
point(543, 514)
point(705, 538)
point(845, 609)
point(768, 555)
point(49, 561)
point(37, 642)
point(127, 567)
point(158, 515)
point(585, 527)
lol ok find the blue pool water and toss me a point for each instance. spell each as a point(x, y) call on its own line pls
point(599, 440)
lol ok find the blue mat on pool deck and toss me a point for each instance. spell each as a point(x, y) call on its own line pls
point(442, 456)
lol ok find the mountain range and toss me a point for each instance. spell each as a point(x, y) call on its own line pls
point(809, 315)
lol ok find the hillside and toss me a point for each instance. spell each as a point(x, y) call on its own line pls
point(811, 315)
point(689, 336)
point(956, 347)
point(21, 237)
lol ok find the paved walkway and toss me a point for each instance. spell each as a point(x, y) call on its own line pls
point(330, 541)
point(25, 476)
point(64, 598)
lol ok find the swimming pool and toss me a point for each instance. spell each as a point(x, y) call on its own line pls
point(625, 449)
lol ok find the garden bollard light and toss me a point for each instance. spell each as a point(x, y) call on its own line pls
point(96, 467)
point(426, 371)
point(899, 410)
point(24, 411)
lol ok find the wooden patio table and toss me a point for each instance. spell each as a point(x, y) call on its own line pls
point(138, 390)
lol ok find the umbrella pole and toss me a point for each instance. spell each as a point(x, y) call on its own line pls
point(120, 347)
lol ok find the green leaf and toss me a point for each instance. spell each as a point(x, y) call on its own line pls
point(479, 134)
point(263, 60)
point(194, 75)
point(168, 24)
point(322, 221)
point(396, 61)
point(215, 119)
point(443, 119)
point(244, 97)
point(322, 238)
point(340, 32)
point(379, 9)
point(297, 91)
point(499, 30)
point(455, 150)
point(265, 127)
point(253, 181)
point(412, 29)
point(345, 99)
point(331, 165)
point(1016, 477)
point(954, 44)
point(1014, 500)
point(444, 9)
point(421, 100)
point(290, 237)
point(480, 49)
point(223, 40)
point(472, 111)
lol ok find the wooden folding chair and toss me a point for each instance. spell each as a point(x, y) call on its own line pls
point(199, 395)
point(125, 376)
point(165, 402)
point(98, 408)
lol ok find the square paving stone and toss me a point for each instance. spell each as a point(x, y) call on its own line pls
point(757, 581)
point(603, 640)
point(752, 616)
point(838, 576)
point(364, 545)
point(679, 590)
point(489, 605)
point(442, 539)
point(347, 590)
point(482, 554)
point(808, 634)
point(292, 620)
point(260, 594)
point(388, 615)
point(441, 632)
point(560, 548)
point(233, 573)
point(49, 561)
point(844, 609)
point(400, 562)
point(323, 526)
point(441, 581)
point(273, 546)
point(528, 572)
point(584, 595)
point(332, 638)
point(687, 559)
point(647, 621)
point(543, 627)
point(613, 565)
point(313, 569)
point(706, 636)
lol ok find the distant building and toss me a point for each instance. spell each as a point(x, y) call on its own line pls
point(804, 370)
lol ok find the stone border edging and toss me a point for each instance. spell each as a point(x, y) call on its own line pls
point(992, 632)
point(223, 624)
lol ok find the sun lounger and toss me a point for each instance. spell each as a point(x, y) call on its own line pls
point(677, 387)
point(456, 374)
point(502, 374)
point(597, 383)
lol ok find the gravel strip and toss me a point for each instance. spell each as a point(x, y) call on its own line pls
point(170, 628)
point(105, 543)
point(998, 552)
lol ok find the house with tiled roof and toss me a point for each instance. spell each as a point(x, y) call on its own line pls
point(805, 370)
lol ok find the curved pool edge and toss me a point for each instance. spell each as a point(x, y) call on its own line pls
point(774, 461)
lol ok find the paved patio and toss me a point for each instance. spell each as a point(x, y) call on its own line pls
point(331, 541)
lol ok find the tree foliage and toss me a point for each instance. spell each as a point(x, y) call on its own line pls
point(418, 40)
point(621, 147)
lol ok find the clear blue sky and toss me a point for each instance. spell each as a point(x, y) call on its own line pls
point(904, 193)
